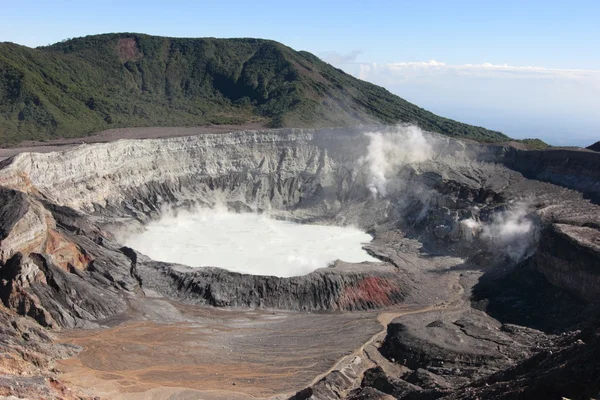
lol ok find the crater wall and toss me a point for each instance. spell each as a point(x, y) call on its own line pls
point(62, 267)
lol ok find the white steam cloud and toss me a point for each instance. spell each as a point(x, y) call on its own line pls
point(246, 242)
point(512, 231)
point(387, 151)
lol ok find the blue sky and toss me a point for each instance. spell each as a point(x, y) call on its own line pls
point(468, 60)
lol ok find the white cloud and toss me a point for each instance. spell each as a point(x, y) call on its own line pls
point(418, 64)
point(399, 70)
point(335, 58)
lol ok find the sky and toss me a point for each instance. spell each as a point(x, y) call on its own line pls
point(527, 68)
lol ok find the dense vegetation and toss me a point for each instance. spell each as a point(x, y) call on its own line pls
point(534, 144)
point(88, 84)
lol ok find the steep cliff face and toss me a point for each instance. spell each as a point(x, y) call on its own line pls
point(59, 271)
point(575, 169)
point(261, 169)
point(342, 287)
point(569, 257)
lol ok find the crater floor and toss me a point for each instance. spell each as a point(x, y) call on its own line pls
point(165, 348)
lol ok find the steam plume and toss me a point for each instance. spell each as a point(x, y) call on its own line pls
point(512, 231)
point(387, 151)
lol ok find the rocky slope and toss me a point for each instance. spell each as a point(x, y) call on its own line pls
point(453, 223)
point(595, 146)
point(27, 355)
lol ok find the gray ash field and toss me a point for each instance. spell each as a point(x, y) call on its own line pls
point(487, 286)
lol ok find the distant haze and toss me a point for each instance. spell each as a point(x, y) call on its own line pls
point(559, 106)
point(248, 243)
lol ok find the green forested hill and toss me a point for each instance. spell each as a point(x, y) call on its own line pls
point(88, 84)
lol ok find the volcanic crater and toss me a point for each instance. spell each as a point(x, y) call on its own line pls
point(486, 267)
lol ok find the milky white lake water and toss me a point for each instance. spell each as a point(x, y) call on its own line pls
point(248, 243)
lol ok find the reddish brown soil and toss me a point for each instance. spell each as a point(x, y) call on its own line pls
point(372, 290)
point(127, 50)
point(220, 354)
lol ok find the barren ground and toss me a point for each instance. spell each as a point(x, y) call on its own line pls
point(215, 353)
